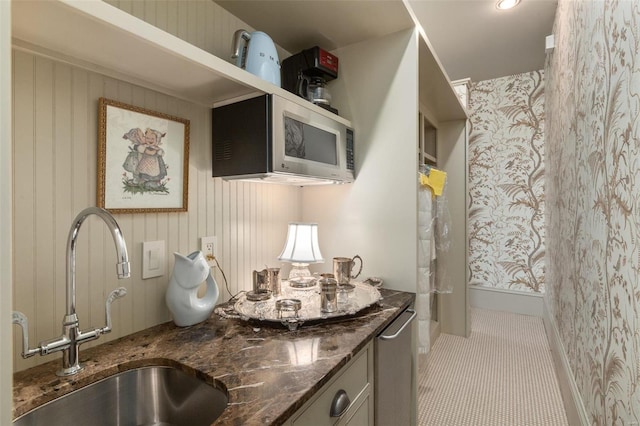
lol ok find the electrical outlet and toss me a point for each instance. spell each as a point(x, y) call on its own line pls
point(208, 246)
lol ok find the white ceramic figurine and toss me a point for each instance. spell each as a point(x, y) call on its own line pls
point(182, 295)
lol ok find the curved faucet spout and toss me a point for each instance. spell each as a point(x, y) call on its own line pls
point(72, 337)
point(122, 265)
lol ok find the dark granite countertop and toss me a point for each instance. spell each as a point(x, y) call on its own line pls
point(256, 366)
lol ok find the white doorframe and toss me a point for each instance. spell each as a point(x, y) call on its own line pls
point(6, 224)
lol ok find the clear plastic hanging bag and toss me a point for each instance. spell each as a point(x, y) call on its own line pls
point(434, 223)
point(434, 240)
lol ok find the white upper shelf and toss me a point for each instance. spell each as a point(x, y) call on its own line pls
point(95, 35)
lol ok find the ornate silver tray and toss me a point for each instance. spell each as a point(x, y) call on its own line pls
point(349, 303)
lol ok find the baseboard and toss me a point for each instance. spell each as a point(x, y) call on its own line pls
point(517, 302)
point(576, 413)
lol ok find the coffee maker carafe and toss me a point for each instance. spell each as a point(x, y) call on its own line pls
point(306, 74)
point(314, 90)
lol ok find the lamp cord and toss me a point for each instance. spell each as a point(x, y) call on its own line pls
point(226, 283)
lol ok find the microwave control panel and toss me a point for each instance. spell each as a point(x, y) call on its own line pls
point(350, 155)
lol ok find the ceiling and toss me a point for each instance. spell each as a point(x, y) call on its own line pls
point(471, 38)
point(299, 24)
point(474, 39)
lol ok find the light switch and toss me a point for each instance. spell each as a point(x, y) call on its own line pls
point(153, 262)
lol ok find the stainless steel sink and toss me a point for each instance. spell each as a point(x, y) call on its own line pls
point(144, 396)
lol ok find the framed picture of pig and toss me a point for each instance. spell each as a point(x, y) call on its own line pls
point(143, 160)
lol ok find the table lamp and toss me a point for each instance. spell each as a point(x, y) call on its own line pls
point(301, 249)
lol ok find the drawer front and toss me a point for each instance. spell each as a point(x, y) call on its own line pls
point(353, 379)
point(361, 411)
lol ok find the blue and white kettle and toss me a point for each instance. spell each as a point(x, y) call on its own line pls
point(256, 53)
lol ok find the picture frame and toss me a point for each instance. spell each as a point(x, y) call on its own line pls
point(143, 159)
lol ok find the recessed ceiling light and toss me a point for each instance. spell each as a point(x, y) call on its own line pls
point(506, 4)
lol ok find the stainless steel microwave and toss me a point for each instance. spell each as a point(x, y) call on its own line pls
point(271, 139)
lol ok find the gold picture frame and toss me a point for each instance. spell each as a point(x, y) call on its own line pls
point(143, 159)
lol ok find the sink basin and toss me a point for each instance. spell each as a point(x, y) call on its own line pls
point(144, 396)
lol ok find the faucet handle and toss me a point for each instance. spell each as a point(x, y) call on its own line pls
point(115, 294)
point(21, 319)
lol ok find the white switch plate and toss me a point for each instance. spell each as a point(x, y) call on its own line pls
point(153, 259)
point(208, 246)
point(549, 43)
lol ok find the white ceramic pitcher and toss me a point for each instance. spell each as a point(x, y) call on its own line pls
point(182, 295)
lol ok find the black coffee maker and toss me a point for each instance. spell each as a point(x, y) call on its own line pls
point(306, 74)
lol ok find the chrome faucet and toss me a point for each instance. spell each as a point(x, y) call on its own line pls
point(72, 337)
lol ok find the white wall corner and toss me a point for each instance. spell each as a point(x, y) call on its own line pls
point(573, 405)
point(549, 43)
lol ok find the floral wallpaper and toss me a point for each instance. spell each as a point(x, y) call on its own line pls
point(506, 183)
point(593, 197)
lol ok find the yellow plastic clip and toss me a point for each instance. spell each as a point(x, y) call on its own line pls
point(435, 181)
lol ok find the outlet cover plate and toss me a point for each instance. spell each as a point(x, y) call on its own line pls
point(208, 247)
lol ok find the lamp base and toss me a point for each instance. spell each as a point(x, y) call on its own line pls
point(300, 276)
point(299, 270)
point(302, 282)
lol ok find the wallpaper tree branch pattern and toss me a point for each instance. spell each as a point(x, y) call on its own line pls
point(506, 183)
point(593, 193)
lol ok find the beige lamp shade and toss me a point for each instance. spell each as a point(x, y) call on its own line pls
point(301, 249)
point(302, 244)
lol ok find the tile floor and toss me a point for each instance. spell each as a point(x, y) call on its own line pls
point(503, 374)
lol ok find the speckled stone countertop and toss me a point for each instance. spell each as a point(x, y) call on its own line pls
point(256, 366)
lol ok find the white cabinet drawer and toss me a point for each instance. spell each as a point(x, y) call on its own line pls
point(360, 412)
point(356, 379)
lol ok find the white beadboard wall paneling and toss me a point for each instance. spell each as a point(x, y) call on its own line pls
point(55, 177)
point(24, 187)
point(54, 173)
point(200, 22)
point(63, 94)
point(44, 187)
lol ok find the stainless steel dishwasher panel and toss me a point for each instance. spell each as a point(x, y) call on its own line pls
point(394, 374)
